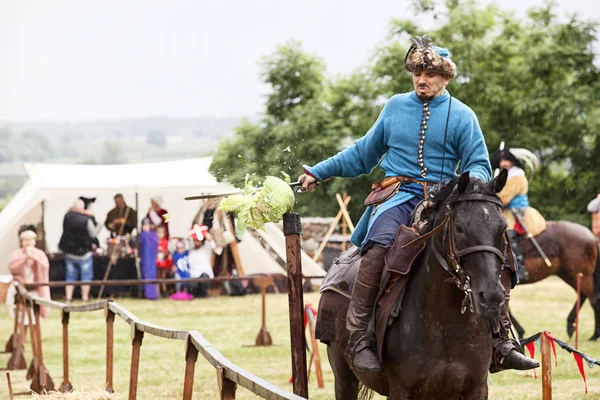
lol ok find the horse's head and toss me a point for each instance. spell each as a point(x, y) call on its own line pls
point(471, 244)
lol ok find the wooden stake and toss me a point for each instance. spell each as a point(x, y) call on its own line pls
point(332, 227)
point(292, 229)
point(344, 226)
point(579, 276)
point(546, 368)
point(315, 348)
point(264, 337)
point(345, 212)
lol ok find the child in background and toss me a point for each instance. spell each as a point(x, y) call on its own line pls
point(181, 267)
point(163, 258)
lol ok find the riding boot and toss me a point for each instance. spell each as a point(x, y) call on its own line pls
point(361, 344)
point(508, 353)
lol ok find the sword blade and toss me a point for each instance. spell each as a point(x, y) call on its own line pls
point(233, 193)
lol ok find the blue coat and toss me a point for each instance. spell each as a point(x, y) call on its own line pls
point(392, 142)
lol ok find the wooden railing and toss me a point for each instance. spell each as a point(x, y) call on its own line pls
point(229, 375)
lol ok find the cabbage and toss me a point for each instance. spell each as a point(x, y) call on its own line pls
point(255, 207)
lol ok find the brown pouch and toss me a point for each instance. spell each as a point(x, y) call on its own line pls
point(383, 190)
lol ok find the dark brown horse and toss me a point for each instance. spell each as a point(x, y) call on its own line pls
point(572, 249)
point(433, 350)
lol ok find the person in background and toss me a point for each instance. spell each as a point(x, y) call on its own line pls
point(593, 208)
point(148, 245)
point(199, 259)
point(158, 215)
point(163, 257)
point(116, 218)
point(29, 264)
point(76, 243)
point(181, 267)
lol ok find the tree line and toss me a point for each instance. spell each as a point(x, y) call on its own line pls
point(531, 81)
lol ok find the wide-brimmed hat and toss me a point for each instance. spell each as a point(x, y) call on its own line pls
point(423, 55)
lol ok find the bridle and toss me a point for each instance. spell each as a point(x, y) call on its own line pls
point(453, 255)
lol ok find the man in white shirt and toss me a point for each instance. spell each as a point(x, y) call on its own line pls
point(199, 261)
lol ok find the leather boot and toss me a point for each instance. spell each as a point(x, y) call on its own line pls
point(361, 344)
point(508, 353)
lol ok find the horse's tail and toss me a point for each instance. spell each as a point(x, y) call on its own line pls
point(364, 393)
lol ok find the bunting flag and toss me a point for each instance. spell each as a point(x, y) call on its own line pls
point(577, 355)
point(579, 361)
point(531, 348)
point(549, 336)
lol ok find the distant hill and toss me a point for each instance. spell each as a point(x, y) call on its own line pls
point(105, 142)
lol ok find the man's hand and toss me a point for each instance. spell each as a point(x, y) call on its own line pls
point(309, 182)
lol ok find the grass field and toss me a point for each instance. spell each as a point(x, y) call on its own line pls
point(231, 324)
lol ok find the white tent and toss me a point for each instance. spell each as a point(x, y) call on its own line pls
point(52, 189)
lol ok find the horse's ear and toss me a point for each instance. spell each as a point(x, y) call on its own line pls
point(499, 181)
point(463, 182)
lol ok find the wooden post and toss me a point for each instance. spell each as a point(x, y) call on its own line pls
point(41, 381)
point(292, 229)
point(315, 348)
point(332, 227)
point(579, 276)
point(264, 337)
point(344, 225)
point(227, 387)
point(65, 386)
point(191, 356)
point(344, 211)
point(546, 368)
point(136, 346)
point(10, 391)
point(110, 320)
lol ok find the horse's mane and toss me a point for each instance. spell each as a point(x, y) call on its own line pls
point(442, 195)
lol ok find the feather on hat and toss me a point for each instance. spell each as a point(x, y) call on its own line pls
point(424, 56)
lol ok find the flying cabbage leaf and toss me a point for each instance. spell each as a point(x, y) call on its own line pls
point(255, 208)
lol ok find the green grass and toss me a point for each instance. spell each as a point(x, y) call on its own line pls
point(231, 324)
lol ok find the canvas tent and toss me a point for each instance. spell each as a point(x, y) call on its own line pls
point(52, 188)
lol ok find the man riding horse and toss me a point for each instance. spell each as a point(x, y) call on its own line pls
point(522, 219)
point(418, 140)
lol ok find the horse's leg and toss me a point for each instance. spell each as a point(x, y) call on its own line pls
point(596, 306)
point(346, 383)
point(478, 392)
point(572, 315)
point(516, 325)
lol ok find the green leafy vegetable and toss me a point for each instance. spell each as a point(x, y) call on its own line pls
point(257, 207)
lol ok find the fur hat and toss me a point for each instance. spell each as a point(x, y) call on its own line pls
point(424, 56)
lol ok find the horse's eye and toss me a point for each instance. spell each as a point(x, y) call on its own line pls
point(458, 229)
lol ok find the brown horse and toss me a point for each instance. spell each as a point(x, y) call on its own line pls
point(572, 249)
point(433, 350)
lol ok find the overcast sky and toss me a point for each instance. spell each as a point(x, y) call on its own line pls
point(79, 60)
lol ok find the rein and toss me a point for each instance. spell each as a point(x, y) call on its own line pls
point(453, 255)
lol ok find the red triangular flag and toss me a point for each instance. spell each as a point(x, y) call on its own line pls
point(549, 336)
point(579, 362)
point(531, 348)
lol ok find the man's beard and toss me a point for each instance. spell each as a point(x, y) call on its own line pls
point(424, 97)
